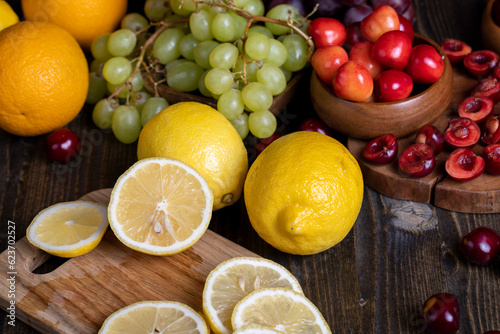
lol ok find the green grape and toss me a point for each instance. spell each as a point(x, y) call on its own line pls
point(250, 70)
point(126, 124)
point(152, 106)
point(103, 112)
point(224, 55)
point(175, 62)
point(139, 99)
point(202, 87)
point(97, 88)
point(117, 70)
point(297, 51)
point(288, 74)
point(240, 123)
point(96, 65)
point(277, 53)
point(122, 42)
point(256, 96)
point(99, 48)
point(263, 30)
point(262, 124)
point(281, 12)
point(240, 24)
point(186, 46)
point(202, 53)
point(200, 25)
point(165, 47)
point(184, 77)
point(181, 10)
point(214, 10)
point(122, 94)
point(223, 27)
point(137, 82)
point(272, 77)
point(255, 7)
point(218, 80)
point(180, 25)
point(257, 46)
point(134, 21)
point(240, 3)
point(230, 104)
point(156, 10)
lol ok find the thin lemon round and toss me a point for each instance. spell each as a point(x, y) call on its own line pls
point(160, 206)
point(203, 138)
point(256, 330)
point(166, 317)
point(304, 192)
point(234, 279)
point(282, 309)
point(69, 229)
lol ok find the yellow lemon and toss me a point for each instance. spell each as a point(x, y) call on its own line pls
point(7, 16)
point(204, 139)
point(303, 193)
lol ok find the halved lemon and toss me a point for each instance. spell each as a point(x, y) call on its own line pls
point(256, 330)
point(281, 309)
point(234, 279)
point(69, 229)
point(160, 206)
point(155, 317)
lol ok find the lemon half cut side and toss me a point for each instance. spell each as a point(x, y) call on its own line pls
point(160, 206)
point(69, 229)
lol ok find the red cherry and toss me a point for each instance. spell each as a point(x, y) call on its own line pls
point(62, 145)
point(464, 165)
point(353, 82)
point(462, 132)
point(262, 144)
point(354, 35)
point(361, 53)
point(491, 130)
point(315, 125)
point(417, 160)
point(481, 246)
point(482, 62)
point(392, 49)
point(406, 27)
point(327, 31)
point(392, 85)
point(442, 314)
point(383, 19)
point(476, 108)
point(327, 60)
point(425, 65)
point(381, 150)
point(491, 155)
point(489, 87)
point(429, 134)
point(455, 50)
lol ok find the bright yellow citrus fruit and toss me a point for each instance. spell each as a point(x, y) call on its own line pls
point(7, 15)
point(44, 76)
point(69, 229)
point(155, 317)
point(203, 138)
point(234, 279)
point(84, 19)
point(160, 206)
point(281, 309)
point(303, 193)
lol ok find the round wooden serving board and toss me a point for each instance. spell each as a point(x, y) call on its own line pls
point(481, 195)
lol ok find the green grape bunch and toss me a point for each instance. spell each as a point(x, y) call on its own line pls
point(230, 51)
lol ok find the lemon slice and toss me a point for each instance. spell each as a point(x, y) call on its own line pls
point(281, 309)
point(69, 229)
point(234, 279)
point(256, 330)
point(160, 317)
point(160, 206)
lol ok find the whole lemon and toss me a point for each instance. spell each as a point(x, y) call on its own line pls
point(7, 15)
point(84, 19)
point(44, 76)
point(204, 139)
point(303, 193)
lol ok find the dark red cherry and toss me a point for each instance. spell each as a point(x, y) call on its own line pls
point(442, 314)
point(481, 246)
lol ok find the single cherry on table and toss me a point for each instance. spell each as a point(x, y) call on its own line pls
point(455, 50)
point(476, 108)
point(481, 246)
point(417, 160)
point(491, 130)
point(442, 314)
point(489, 87)
point(382, 149)
point(462, 132)
point(491, 155)
point(62, 145)
point(315, 125)
point(464, 165)
point(481, 62)
point(429, 134)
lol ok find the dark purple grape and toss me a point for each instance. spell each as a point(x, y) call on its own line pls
point(327, 8)
point(409, 13)
point(481, 246)
point(354, 35)
point(441, 314)
point(398, 5)
point(298, 4)
point(356, 14)
point(351, 3)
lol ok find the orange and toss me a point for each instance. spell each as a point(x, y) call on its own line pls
point(84, 19)
point(44, 76)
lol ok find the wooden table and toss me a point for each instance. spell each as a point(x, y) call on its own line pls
point(375, 281)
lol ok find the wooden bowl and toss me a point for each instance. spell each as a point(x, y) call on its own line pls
point(490, 31)
point(365, 120)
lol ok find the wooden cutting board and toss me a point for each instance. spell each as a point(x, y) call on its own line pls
point(481, 195)
point(80, 294)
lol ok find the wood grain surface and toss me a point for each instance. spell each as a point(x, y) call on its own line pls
point(375, 281)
